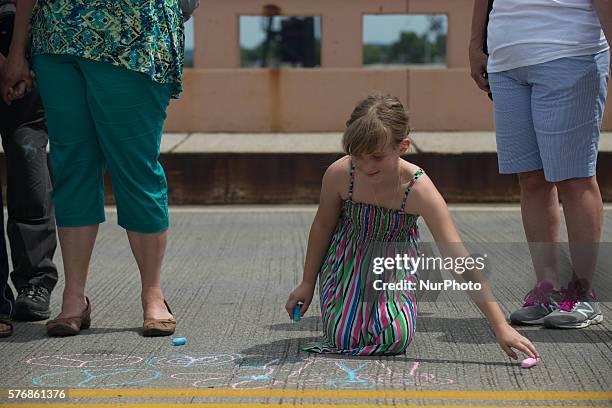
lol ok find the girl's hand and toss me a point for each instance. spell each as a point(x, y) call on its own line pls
point(15, 72)
point(478, 67)
point(510, 339)
point(302, 293)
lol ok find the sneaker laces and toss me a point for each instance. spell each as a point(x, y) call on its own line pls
point(539, 295)
point(569, 301)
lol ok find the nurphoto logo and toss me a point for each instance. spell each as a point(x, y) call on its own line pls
point(412, 265)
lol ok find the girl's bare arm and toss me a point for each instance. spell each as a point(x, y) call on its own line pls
point(432, 207)
point(320, 235)
point(324, 223)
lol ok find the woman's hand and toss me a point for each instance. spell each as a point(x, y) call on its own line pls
point(16, 70)
point(510, 339)
point(478, 67)
point(17, 78)
point(302, 293)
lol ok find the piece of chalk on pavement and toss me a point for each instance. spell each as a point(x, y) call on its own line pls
point(530, 362)
point(297, 312)
point(179, 341)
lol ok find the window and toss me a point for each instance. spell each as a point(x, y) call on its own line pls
point(189, 43)
point(399, 40)
point(280, 41)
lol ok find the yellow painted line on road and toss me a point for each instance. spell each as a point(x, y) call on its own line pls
point(157, 394)
point(342, 394)
point(259, 405)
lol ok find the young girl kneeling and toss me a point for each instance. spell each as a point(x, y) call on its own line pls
point(370, 201)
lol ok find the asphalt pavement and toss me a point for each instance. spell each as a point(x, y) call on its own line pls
point(227, 274)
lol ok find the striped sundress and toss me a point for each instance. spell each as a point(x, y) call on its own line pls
point(358, 320)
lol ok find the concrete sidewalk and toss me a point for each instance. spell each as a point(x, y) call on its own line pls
point(426, 142)
point(227, 274)
point(226, 168)
point(287, 168)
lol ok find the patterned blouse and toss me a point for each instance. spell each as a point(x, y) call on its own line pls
point(141, 35)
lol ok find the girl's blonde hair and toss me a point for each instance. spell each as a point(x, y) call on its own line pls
point(376, 121)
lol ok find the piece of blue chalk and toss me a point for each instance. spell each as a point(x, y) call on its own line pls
point(179, 341)
point(297, 312)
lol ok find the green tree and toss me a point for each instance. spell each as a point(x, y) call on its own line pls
point(408, 49)
point(375, 53)
point(411, 48)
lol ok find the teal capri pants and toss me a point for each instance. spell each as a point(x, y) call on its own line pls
point(103, 116)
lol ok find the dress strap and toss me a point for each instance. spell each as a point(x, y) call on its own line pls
point(414, 178)
point(352, 181)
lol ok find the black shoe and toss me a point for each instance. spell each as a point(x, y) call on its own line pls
point(32, 304)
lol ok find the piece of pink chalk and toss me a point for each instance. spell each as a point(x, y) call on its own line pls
point(530, 362)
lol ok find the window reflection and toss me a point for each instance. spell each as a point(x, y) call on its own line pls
point(280, 41)
point(401, 40)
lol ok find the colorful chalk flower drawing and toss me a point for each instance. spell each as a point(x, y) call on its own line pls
point(193, 360)
point(230, 370)
point(97, 378)
point(86, 360)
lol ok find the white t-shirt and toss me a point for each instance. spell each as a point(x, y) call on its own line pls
point(528, 32)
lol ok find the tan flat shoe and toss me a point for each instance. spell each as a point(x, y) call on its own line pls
point(159, 327)
point(69, 326)
point(6, 320)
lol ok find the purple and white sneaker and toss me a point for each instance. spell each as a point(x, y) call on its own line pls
point(540, 302)
point(578, 309)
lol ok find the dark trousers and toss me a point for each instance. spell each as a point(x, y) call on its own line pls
point(31, 221)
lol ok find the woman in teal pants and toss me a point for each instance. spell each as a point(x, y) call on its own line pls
point(106, 71)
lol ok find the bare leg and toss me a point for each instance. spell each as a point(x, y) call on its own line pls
point(77, 244)
point(541, 218)
point(149, 251)
point(583, 212)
